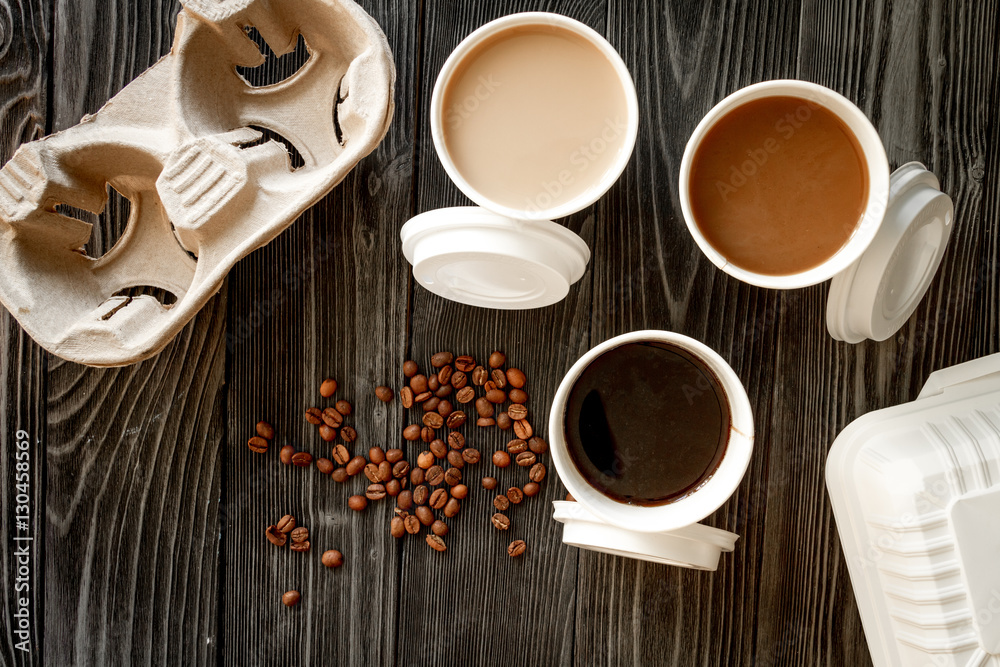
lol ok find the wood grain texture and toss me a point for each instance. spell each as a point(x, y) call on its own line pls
point(329, 298)
point(133, 456)
point(24, 40)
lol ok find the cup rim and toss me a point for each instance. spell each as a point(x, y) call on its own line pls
point(878, 181)
point(699, 503)
point(608, 178)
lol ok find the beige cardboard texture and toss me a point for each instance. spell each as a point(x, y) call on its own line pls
point(177, 143)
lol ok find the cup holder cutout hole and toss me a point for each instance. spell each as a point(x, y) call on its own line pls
point(295, 159)
point(274, 69)
point(108, 226)
point(165, 297)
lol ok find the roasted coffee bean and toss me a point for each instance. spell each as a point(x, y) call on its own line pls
point(425, 460)
point(433, 420)
point(517, 396)
point(516, 548)
point(465, 395)
point(287, 523)
point(343, 407)
point(427, 434)
point(517, 411)
point(314, 416)
point(439, 528)
point(401, 469)
point(431, 404)
point(394, 487)
point(452, 508)
point(371, 472)
point(421, 495)
point(404, 500)
point(286, 454)
point(424, 515)
point(332, 418)
point(325, 466)
point(537, 445)
point(327, 434)
point(348, 434)
point(384, 471)
point(465, 363)
point(459, 491)
point(504, 422)
point(456, 440)
point(438, 499)
point(501, 503)
point(479, 376)
point(489, 386)
point(340, 475)
point(257, 444)
point(455, 459)
point(357, 503)
point(537, 472)
point(501, 459)
point(383, 394)
point(486, 421)
point(444, 375)
point(498, 378)
point(397, 528)
point(515, 495)
point(300, 534)
point(410, 368)
point(394, 455)
point(412, 432)
point(496, 396)
point(470, 455)
point(406, 396)
point(417, 476)
point(526, 459)
point(418, 383)
point(436, 543)
point(445, 408)
point(434, 475)
point(438, 448)
point(500, 521)
point(411, 524)
point(443, 392)
point(497, 359)
point(275, 536)
point(356, 465)
point(302, 459)
point(459, 380)
point(522, 429)
point(341, 455)
point(375, 492)
point(420, 398)
point(301, 546)
point(515, 447)
point(531, 489)
point(441, 359)
point(452, 476)
point(484, 407)
point(328, 388)
point(291, 598)
point(455, 419)
point(489, 483)
point(516, 378)
point(433, 384)
point(376, 455)
point(265, 430)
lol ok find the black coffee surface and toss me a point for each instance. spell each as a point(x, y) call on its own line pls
point(647, 423)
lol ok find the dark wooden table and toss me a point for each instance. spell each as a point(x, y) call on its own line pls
point(147, 509)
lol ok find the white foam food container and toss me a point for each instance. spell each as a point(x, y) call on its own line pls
point(916, 495)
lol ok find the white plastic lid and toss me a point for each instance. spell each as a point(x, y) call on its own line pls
point(875, 296)
point(470, 255)
point(696, 546)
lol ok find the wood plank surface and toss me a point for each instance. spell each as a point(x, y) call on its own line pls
point(24, 76)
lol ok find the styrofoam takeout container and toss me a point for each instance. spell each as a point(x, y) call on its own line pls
point(916, 496)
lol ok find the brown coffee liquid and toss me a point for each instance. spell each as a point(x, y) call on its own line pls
point(647, 423)
point(778, 185)
point(534, 117)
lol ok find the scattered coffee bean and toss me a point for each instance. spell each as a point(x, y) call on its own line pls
point(327, 434)
point(401, 469)
point(501, 459)
point(515, 495)
point(444, 375)
point(517, 396)
point(452, 476)
point(501, 503)
point(496, 396)
point(340, 475)
point(314, 416)
point(465, 395)
point(515, 378)
point(300, 534)
point(325, 466)
point(397, 528)
point(433, 384)
point(412, 524)
point(489, 483)
point(427, 434)
point(376, 455)
point(459, 380)
point(434, 475)
point(570, 498)
point(257, 444)
point(441, 359)
point(286, 524)
point(375, 492)
point(438, 499)
point(410, 368)
point(302, 459)
point(332, 418)
point(393, 487)
point(479, 376)
point(348, 434)
point(286, 454)
point(341, 455)
point(418, 383)
point(486, 421)
point(444, 391)
point(275, 536)
point(436, 543)
point(445, 408)
point(465, 363)
point(405, 499)
point(425, 460)
point(489, 386)
point(537, 445)
point(433, 420)
point(452, 508)
point(420, 398)
point(439, 528)
point(332, 558)
point(265, 430)
point(343, 407)
point(470, 455)
point(497, 359)
point(438, 448)
point(291, 598)
point(417, 476)
point(526, 459)
point(421, 495)
point(456, 440)
point(500, 521)
point(328, 388)
point(455, 419)
point(517, 411)
point(424, 515)
point(355, 465)
point(383, 394)
point(357, 503)
point(516, 548)
point(412, 432)
point(384, 471)
point(431, 404)
point(301, 546)
point(371, 472)
point(537, 472)
point(498, 378)
point(522, 429)
point(504, 422)
point(484, 407)
point(455, 459)
point(394, 455)
point(516, 446)
point(459, 491)
point(531, 489)
point(406, 396)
